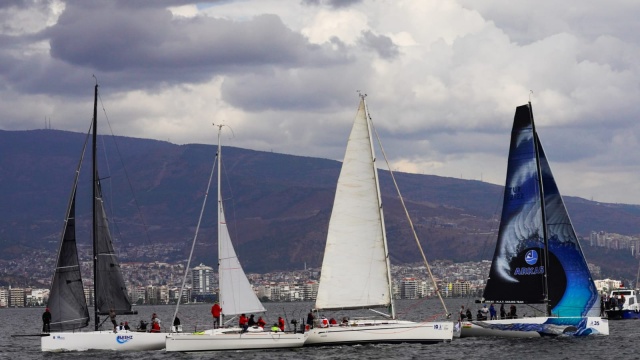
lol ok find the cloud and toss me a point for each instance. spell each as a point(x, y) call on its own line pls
point(443, 78)
point(383, 45)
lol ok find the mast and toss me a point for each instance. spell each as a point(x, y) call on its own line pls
point(95, 219)
point(220, 212)
point(382, 226)
point(544, 215)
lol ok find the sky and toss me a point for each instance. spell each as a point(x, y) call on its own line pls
point(442, 78)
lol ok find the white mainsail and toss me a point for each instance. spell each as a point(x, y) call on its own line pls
point(355, 268)
point(236, 294)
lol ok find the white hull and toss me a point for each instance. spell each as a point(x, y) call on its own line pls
point(103, 340)
point(232, 340)
point(381, 331)
point(536, 327)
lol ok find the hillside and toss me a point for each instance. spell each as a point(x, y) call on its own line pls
point(278, 205)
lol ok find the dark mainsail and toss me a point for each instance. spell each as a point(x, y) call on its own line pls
point(536, 237)
point(67, 302)
point(110, 288)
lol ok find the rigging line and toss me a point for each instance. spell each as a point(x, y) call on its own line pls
point(195, 236)
point(415, 235)
point(124, 168)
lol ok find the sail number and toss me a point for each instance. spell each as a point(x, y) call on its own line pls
point(595, 323)
point(515, 192)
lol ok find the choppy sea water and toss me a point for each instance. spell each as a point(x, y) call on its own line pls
point(623, 343)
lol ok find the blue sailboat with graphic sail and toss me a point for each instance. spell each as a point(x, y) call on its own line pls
point(538, 260)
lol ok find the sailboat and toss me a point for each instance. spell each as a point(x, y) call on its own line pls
point(538, 259)
point(355, 268)
point(236, 297)
point(67, 302)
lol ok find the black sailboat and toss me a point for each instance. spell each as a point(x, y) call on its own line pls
point(67, 301)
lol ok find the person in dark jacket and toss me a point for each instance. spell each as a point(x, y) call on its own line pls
point(46, 320)
point(310, 319)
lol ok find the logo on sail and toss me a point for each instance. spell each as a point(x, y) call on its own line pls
point(531, 257)
point(121, 339)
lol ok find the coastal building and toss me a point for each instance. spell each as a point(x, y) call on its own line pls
point(4, 297)
point(202, 279)
point(17, 297)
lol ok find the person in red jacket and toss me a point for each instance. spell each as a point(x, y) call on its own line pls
point(281, 323)
point(324, 322)
point(216, 311)
point(155, 324)
point(261, 322)
point(243, 322)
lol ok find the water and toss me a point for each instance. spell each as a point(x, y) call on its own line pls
point(621, 344)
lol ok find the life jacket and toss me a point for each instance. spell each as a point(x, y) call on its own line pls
point(325, 322)
point(155, 327)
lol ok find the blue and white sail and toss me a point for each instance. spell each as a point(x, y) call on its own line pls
point(536, 238)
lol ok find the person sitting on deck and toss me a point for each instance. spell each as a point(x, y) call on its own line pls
point(261, 322)
point(324, 322)
point(469, 315)
point(142, 327)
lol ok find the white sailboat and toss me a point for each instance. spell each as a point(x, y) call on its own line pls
point(355, 269)
point(236, 297)
point(67, 301)
point(538, 259)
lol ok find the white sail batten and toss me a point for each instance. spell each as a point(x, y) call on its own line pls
point(236, 295)
point(355, 267)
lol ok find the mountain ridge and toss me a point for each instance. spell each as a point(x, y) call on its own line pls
point(279, 205)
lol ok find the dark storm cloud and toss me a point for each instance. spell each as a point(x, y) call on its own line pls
point(139, 44)
point(109, 39)
point(381, 44)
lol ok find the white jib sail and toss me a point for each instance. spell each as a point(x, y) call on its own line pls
point(236, 294)
point(354, 268)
